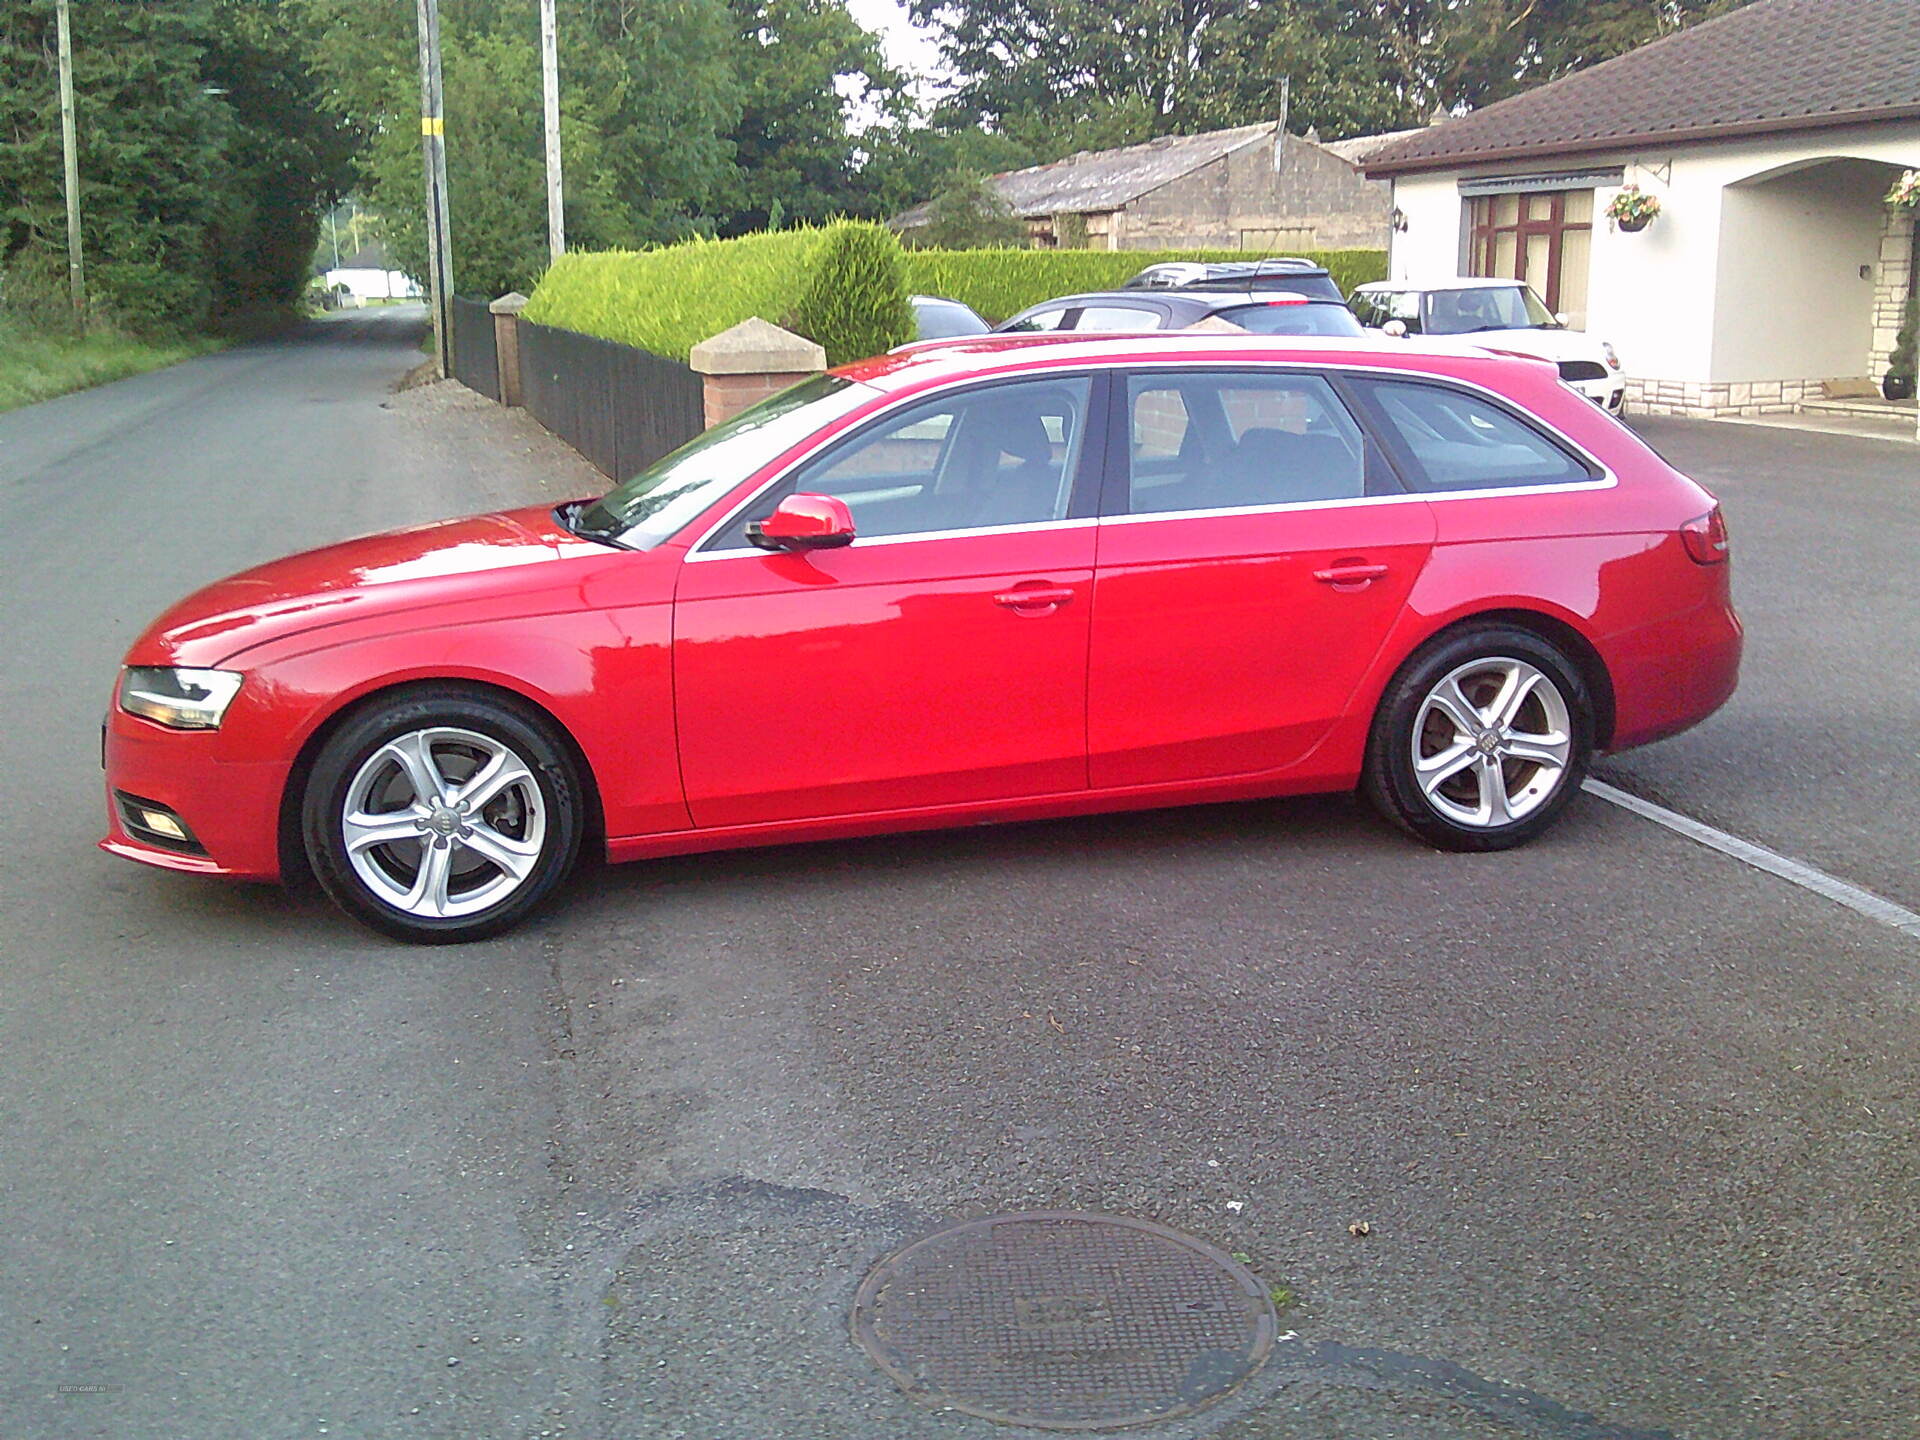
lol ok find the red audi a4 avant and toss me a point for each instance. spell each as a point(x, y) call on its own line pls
point(992, 579)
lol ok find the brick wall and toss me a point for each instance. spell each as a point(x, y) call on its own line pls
point(727, 395)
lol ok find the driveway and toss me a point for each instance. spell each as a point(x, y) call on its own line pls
point(1630, 1123)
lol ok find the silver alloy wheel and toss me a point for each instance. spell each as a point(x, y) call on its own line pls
point(1491, 742)
point(443, 822)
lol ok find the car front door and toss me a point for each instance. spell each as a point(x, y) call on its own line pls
point(938, 660)
point(1254, 552)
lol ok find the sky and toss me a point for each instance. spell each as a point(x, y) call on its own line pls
point(908, 47)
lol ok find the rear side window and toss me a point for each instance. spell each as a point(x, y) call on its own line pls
point(1231, 441)
point(1459, 441)
point(1316, 317)
point(1118, 318)
point(1038, 320)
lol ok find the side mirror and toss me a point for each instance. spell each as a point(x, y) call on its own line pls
point(1396, 328)
point(804, 522)
point(1562, 319)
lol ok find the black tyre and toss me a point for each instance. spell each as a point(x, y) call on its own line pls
point(1481, 740)
point(442, 814)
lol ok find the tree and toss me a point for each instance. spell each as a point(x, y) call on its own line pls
point(803, 66)
point(1061, 75)
point(969, 214)
point(205, 150)
point(647, 94)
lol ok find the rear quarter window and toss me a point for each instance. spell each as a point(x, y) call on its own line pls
point(1452, 440)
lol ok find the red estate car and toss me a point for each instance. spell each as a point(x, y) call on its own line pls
point(1001, 578)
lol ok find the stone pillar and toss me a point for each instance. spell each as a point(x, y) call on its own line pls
point(506, 343)
point(753, 360)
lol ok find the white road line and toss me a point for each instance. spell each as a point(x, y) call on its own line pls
point(1794, 872)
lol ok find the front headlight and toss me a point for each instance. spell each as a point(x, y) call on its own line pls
point(1612, 359)
point(178, 699)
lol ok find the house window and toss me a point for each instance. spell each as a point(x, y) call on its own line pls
point(1543, 237)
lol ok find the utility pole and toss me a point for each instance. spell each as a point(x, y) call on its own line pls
point(76, 271)
point(550, 88)
point(433, 157)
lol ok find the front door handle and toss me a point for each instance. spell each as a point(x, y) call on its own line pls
point(1349, 574)
point(1036, 599)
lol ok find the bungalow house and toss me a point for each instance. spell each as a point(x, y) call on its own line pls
point(1774, 272)
point(1250, 188)
point(368, 274)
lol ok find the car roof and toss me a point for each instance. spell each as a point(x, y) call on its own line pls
point(1455, 282)
point(1216, 269)
point(931, 361)
point(1207, 299)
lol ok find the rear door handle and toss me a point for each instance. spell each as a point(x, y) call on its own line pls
point(1038, 597)
point(1349, 574)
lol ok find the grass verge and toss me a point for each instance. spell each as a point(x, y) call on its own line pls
point(36, 366)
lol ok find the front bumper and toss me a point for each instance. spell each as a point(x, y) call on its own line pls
point(230, 805)
point(1608, 394)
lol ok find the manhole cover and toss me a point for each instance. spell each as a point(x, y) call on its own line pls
point(1064, 1321)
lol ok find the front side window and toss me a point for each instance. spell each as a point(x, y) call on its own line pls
point(988, 458)
point(1462, 442)
point(674, 489)
point(1233, 440)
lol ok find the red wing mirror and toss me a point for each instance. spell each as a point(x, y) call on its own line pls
point(804, 522)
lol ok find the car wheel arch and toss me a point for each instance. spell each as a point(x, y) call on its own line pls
point(294, 867)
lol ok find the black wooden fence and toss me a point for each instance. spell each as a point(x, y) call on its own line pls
point(472, 357)
point(620, 407)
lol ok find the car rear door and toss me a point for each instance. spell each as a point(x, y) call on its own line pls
point(1255, 549)
point(938, 660)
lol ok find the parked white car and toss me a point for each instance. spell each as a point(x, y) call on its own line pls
point(1499, 315)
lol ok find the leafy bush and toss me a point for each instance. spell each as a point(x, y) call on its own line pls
point(843, 280)
point(855, 303)
point(1905, 360)
point(999, 283)
point(844, 286)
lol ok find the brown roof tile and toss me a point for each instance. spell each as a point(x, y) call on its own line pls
point(1773, 65)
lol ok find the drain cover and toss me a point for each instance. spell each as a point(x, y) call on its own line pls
point(1064, 1321)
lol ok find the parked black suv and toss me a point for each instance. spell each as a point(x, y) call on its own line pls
point(1135, 312)
point(1301, 277)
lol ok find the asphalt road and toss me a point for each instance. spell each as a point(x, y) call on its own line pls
point(1632, 1124)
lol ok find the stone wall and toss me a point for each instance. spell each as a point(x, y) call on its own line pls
point(1314, 200)
point(1704, 402)
point(1890, 287)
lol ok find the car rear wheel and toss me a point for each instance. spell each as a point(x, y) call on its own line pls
point(442, 816)
point(1481, 740)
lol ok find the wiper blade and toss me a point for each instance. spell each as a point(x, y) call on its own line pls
point(569, 517)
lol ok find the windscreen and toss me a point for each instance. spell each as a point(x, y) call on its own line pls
point(1486, 307)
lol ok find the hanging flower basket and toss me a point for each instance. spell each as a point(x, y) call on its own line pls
point(1905, 194)
point(1632, 209)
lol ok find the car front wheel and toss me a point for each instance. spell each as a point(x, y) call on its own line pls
point(1481, 740)
point(442, 816)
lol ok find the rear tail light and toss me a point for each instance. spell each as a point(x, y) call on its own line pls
point(1706, 538)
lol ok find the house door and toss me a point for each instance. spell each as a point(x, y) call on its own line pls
point(1542, 237)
